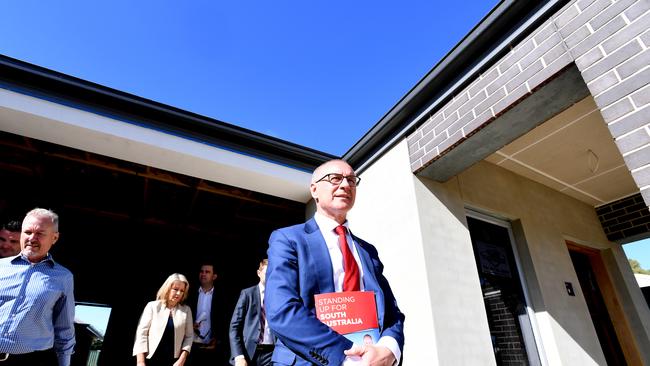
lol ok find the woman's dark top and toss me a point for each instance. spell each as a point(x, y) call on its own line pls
point(164, 354)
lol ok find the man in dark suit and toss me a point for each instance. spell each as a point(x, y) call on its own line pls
point(207, 303)
point(251, 340)
point(322, 256)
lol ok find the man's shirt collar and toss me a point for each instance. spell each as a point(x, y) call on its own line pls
point(326, 224)
point(209, 292)
point(21, 257)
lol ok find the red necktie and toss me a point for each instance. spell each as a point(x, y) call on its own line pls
point(351, 279)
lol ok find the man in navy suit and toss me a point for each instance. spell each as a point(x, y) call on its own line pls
point(251, 340)
point(305, 260)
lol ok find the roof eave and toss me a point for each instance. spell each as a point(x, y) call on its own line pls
point(455, 71)
point(48, 84)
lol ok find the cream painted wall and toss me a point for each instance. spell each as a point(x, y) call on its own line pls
point(549, 218)
point(419, 228)
point(459, 312)
point(418, 241)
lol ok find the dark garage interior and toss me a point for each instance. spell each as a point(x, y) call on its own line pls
point(125, 227)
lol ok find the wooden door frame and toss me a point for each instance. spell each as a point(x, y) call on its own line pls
point(617, 315)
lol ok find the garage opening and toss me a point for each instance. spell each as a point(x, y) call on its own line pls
point(125, 227)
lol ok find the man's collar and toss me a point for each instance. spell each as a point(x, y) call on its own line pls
point(327, 224)
point(211, 291)
point(18, 257)
point(47, 259)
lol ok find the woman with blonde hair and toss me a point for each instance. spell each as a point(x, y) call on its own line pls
point(165, 332)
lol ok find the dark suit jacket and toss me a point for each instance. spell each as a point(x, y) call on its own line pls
point(300, 267)
point(245, 325)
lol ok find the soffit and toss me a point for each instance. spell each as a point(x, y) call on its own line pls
point(573, 153)
point(104, 187)
point(44, 120)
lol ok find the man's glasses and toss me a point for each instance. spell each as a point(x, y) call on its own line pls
point(336, 179)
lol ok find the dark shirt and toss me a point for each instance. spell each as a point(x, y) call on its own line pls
point(164, 354)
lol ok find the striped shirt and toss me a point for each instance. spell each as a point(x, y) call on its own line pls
point(36, 307)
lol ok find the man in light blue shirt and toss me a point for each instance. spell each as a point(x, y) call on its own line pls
point(36, 299)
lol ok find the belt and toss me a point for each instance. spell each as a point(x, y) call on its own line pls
point(265, 347)
point(206, 346)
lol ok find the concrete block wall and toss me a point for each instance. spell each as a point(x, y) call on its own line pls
point(607, 40)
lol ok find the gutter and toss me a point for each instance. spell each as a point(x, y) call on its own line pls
point(47, 84)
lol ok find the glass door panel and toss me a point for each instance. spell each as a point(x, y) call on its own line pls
point(505, 304)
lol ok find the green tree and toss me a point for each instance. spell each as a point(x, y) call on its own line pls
point(636, 267)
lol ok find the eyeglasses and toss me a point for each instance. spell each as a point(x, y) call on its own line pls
point(336, 179)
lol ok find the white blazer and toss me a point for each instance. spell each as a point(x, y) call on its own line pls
point(152, 326)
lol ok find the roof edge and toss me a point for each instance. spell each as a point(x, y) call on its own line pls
point(476, 52)
point(44, 83)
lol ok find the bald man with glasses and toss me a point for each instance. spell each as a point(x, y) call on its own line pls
point(323, 256)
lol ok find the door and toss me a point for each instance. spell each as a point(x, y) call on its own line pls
point(597, 308)
point(506, 307)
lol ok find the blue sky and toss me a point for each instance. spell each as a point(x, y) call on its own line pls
point(640, 251)
point(97, 316)
point(317, 73)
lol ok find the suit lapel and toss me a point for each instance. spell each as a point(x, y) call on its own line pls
point(323, 266)
point(256, 304)
point(161, 314)
point(370, 282)
point(179, 315)
point(321, 257)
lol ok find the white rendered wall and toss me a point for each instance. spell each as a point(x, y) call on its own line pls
point(423, 245)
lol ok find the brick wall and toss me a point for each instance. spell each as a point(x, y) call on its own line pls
point(504, 328)
point(607, 40)
point(626, 219)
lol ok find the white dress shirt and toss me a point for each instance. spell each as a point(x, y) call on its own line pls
point(268, 339)
point(203, 311)
point(327, 227)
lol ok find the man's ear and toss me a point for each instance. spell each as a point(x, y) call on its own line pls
point(56, 238)
point(312, 190)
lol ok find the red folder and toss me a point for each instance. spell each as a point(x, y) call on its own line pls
point(352, 314)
